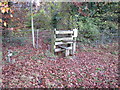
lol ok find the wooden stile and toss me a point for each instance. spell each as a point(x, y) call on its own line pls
point(63, 43)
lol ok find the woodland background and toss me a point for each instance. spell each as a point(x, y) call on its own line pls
point(95, 63)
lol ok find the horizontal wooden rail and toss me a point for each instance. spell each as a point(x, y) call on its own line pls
point(64, 39)
point(64, 32)
point(64, 47)
point(59, 49)
point(59, 43)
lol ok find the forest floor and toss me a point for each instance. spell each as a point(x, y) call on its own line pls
point(38, 68)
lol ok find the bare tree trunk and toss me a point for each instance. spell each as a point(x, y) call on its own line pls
point(32, 26)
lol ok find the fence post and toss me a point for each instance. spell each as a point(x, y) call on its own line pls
point(102, 38)
point(74, 40)
point(53, 40)
point(37, 38)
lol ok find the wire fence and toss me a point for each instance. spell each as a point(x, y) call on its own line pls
point(45, 35)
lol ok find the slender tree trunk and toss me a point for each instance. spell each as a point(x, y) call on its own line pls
point(32, 25)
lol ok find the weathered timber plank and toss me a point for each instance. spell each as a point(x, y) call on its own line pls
point(64, 39)
point(64, 32)
point(59, 49)
point(59, 43)
point(63, 47)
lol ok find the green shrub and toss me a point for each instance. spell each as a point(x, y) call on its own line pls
point(88, 31)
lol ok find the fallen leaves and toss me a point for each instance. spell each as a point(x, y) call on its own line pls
point(33, 68)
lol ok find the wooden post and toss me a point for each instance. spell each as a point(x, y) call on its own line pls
point(52, 41)
point(74, 38)
point(102, 38)
point(9, 55)
point(74, 45)
point(53, 36)
point(37, 38)
point(66, 52)
point(71, 51)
